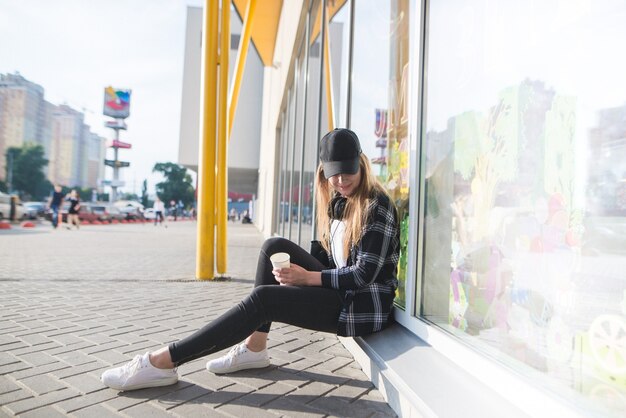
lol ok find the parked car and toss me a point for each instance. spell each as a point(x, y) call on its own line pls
point(86, 214)
point(100, 210)
point(149, 214)
point(132, 209)
point(34, 210)
point(115, 213)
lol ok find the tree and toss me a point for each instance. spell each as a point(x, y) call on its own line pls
point(26, 169)
point(177, 185)
point(130, 196)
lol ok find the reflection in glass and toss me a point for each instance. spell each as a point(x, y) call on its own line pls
point(524, 174)
point(379, 113)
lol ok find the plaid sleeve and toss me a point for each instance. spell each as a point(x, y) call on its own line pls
point(372, 251)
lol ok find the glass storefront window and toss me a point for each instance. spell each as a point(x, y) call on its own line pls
point(339, 48)
point(298, 197)
point(379, 105)
point(281, 212)
point(311, 128)
point(524, 176)
point(293, 165)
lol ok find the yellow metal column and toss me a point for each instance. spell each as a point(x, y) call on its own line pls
point(240, 63)
point(222, 143)
point(206, 163)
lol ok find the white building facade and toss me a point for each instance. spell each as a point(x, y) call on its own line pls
point(497, 128)
point(243, 149)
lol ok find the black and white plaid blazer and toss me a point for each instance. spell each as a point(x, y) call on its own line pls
point(369, 279)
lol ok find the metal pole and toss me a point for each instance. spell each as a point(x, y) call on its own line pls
point(206, 175)
point(222, 142)
point(116, 170)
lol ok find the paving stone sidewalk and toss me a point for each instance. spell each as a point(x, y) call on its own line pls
point(74, 303)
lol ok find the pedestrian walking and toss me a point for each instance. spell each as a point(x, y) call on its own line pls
point(159, 210)
point(55, 202)
point(72, 213)
point(346, 285)
point(173, 210)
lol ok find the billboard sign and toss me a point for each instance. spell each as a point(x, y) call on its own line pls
point(116, 102)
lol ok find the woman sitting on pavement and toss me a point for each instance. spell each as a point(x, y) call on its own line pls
point(346, 288)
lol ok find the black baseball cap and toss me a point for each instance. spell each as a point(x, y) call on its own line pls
point(339, 152)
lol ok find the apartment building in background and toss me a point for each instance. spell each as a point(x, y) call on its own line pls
point(75, 154)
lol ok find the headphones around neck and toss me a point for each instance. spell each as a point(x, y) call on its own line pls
point(336, 207)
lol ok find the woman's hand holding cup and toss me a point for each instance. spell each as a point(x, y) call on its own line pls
point(279, 261)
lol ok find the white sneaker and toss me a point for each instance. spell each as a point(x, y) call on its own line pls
point(239, 358)
point(138, 374)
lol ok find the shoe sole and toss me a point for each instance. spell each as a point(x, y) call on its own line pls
point(153, 384)
point(245, 366)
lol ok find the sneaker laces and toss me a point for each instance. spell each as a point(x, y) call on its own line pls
point(131, 367)
point(235, 351)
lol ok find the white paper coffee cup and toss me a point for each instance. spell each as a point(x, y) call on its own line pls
point(280, 260)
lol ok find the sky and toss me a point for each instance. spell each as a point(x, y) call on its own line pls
point(75, 48)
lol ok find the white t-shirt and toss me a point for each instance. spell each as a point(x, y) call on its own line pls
point(158, 206)
point(337, 233)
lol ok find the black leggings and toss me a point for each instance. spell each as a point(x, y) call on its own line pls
point(315, 308)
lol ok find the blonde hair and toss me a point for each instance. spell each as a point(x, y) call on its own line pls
point(354, 214)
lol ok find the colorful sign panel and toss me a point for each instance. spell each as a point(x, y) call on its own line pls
point(116, 102)
point(116, 163)
point(116, 124)
point(120, 144)
point(112, 183)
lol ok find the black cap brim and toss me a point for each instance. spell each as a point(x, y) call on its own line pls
point(332, 168)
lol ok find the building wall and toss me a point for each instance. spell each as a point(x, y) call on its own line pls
point(242, 166)
point(95, 156)
point(22, 113)
point(190, 106)
point(68, 147)
point(12, 123)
